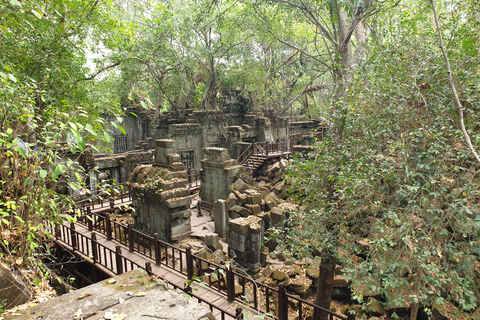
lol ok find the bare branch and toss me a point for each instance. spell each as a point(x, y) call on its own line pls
point(452, 84)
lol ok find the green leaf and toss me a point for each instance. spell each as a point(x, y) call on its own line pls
point(107, 137)
point(80, 142)
point(89, 128)
point(12, 77)
point(9, 131)
point(15, 3)
point(26, 182)
point(43, 174)
point(122, 130)
point(21, 152)
point(37, 13)
point(144, 104)
point(59, 169)
point(37, 282)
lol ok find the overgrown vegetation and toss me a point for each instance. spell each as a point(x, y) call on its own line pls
point(393, 182)
point(401, 190)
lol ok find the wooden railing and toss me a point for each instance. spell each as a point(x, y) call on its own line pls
point(118, 192)
point(266, 148)
point(193, 178)
point(218, 277)
point(114, 261)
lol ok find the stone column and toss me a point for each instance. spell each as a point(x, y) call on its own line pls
point(220, 216)
point(244, 238)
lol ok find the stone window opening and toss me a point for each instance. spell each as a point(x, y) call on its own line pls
point(120, 144)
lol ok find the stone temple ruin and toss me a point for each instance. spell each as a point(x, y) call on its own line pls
point(161, 157)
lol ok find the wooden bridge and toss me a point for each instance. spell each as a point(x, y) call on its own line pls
point(115, 248)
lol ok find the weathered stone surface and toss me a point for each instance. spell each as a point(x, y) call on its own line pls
point(174, 193)
point(341, 294)
point(271, 200)
point(253, 196)
point(254, 208)
point(211, 241)
point(177, 166)
point(399, 297)
point(313, 269)
point(133, 294)
point(165, 143)
point(240, 185)
point(244, 239)
point(216, 154)
point(375, 307)
point(11, 290)
point(278, 187)
point(339, 282)
point(278, 275)
point(300, 284)
point(242, 211)
point(220, 217)
point(179, 202)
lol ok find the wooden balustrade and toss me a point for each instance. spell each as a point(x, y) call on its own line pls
point(163, 253)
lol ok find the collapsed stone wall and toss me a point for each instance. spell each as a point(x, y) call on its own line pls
point(218, 173)
point(160, 195)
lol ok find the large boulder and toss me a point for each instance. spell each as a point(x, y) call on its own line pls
point(133, 295)
point(12, 290)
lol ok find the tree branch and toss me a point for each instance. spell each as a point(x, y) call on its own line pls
point(452, 84)
point(111, 66)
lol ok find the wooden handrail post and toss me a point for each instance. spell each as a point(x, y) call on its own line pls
point(73, 236)
point(266, 148)
point(148, 268)
point(230, 284)
point(94, 247)
point(89, 219)
point(253, 147)
point(112, 203)
point(291, 146)
point(199, 208)
point(282, 302)
point(58, 231)
point(118, 259)
point(130, 238)
point(189, 175)
point(108, 227)
point(188, 254)
point(158, 257)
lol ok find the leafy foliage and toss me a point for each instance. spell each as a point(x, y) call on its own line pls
point(405, 188)
point(50, 113)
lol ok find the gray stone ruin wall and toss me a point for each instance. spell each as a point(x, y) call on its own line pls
point(161, 196)
point(218, 174)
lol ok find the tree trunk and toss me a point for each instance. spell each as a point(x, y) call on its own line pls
point(325, 284)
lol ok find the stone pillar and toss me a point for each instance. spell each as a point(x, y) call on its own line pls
point(244, 238)
point(220, 216)
point(160, 195)
point(218, 174)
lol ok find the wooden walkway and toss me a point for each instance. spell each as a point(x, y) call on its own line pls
point(84, 250)
point(115, 248)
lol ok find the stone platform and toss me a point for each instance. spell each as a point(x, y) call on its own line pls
point(132, 295)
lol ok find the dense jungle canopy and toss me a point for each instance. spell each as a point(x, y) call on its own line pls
point(396, 167)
